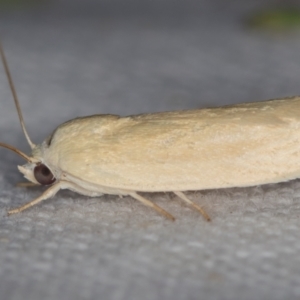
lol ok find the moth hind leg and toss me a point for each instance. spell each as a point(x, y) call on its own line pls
point(183, 197)
point(152, 205)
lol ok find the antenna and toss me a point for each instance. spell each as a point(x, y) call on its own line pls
point(12, 148)
point(13, 90)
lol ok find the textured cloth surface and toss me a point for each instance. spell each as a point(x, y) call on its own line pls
point(75, 58)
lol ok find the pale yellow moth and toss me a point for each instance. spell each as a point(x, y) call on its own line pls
point(233, 146)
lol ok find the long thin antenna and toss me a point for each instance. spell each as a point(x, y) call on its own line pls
point(12, 148)
point(13, 90)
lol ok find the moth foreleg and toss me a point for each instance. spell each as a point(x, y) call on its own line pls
point(27, 184)
point(50, 192)
point(194, 205)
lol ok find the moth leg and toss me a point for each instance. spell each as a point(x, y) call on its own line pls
point(194, 205)
point(46, 195)
point(27, 184)
point(152, 205)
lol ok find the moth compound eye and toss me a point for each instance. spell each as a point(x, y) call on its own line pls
point(43, 175)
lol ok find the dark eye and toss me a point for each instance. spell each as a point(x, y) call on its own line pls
point(43, 175)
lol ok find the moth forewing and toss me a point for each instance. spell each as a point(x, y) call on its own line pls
point(242, 145)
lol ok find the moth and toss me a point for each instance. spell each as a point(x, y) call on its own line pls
point(233, 146)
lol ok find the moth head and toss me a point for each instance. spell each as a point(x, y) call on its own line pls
point(37, 173)
point(34, 170)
